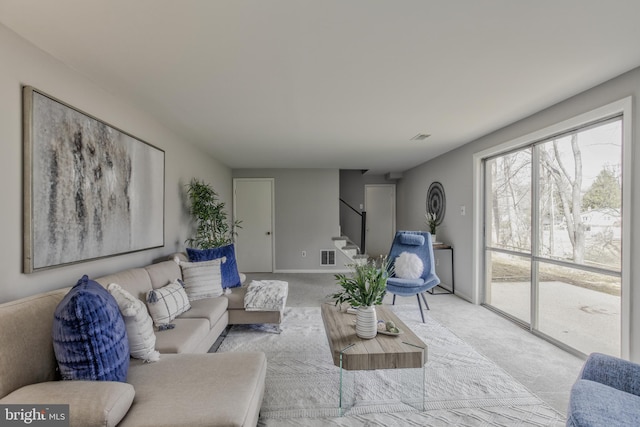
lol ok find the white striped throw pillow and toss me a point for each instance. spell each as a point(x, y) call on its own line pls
point(202, 279)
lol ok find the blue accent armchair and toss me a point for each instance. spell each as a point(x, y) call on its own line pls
point(607, 393)
point(419, 243)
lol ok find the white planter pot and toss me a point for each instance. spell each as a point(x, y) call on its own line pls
point(366, 322)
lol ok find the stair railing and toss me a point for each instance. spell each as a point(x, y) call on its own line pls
point(363, 224)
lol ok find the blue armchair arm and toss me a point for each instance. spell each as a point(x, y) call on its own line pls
point(617, 373)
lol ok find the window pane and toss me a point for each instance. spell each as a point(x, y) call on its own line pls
point(508, 205)
point(580, 196)
point(580, 309)
point(509, 289)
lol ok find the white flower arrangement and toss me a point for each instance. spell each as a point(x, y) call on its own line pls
point(431, 221)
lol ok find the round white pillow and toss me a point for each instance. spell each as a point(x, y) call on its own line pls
point(409, 266)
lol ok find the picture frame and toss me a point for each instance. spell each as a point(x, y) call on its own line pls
point(90, 190)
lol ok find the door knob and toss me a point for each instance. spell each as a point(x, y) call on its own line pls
point(268, 233)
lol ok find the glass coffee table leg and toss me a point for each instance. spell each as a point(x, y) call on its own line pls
point(346, 386)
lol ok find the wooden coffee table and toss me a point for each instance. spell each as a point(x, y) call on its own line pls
point(351, 353)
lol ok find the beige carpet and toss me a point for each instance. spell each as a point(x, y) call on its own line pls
point(463, 388)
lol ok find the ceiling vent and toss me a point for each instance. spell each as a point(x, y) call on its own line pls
point(392, 176)
point(420, 137)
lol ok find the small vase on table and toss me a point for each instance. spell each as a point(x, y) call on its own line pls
point(366, 322)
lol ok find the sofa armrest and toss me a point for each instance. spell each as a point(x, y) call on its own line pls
point(91, 403)
point(613, 372)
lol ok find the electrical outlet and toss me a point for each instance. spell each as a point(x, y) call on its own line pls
point(304, 254)
point(437, 262)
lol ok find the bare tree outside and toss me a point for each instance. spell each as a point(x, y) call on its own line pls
point(581, 184)
point(568, 183)
point(511, 201)
point(579, 201)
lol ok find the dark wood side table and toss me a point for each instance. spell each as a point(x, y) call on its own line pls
point(444, 291)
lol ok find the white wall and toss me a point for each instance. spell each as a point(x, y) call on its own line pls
point(23, 64)
point(455, 171)
point(307, 215)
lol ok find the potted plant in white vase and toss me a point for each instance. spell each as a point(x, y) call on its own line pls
point(432, 222)
point(364, 289)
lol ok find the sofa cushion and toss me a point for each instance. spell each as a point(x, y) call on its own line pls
point(186, 337)
point(162, 273)
point(142, 339)
point(91, 403)
point(135, 281)
point(236, 298)
point(211, 309)
point(595, 404)
point(89, 335)
point(26, 325)
point(230, 394)
point(166, 303)
point(229, 269)
point(202, 279)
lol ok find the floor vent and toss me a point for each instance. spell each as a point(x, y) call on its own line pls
point(328, 257)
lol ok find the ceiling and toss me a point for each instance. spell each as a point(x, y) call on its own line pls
point(335, 83)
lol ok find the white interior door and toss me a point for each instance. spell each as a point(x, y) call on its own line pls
point(253, 205)
point(380, 204)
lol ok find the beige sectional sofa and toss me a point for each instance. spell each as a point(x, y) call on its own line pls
point(197, 329)
point(235, 308)
point(186, 387)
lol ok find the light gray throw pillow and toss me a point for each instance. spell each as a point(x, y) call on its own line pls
point(202, 279)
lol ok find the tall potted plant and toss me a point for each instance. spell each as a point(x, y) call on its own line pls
point(364, 289)
point(212, 226)
point(214, 234)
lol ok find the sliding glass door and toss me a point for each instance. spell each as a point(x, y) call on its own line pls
point(508, 233)
point(553, 240)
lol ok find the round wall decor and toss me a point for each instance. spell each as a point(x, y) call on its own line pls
point(436, 201)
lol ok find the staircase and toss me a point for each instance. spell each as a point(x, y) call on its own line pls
point(350, 250)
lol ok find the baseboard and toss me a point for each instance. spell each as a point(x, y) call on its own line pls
point(345, 270)
point(465, 297)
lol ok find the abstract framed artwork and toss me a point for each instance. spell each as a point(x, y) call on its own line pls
point(90, 190)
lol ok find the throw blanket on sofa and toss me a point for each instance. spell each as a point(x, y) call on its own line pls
point(266, 295)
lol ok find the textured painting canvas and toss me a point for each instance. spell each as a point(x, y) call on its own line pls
point(91, 190)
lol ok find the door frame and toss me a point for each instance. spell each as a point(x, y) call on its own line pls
point(271, 181)
point(393, 211)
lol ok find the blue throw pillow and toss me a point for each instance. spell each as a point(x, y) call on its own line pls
point(89, 335)
point(229, 269)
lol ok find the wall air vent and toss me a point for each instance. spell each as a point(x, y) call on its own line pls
point(328, 257)
point(420, 137)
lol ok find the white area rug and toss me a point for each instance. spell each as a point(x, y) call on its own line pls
point(463, 388)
